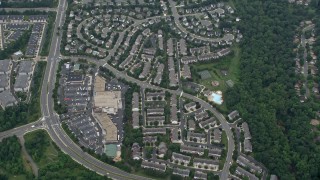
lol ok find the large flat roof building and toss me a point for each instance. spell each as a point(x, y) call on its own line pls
point(109, 129)
point(108, 101)
point(99, 84)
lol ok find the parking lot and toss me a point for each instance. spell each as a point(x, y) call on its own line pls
point(76, 93)
point(117, 119)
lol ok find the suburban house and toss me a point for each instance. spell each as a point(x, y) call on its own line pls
point(240, 171)
point(196, 137)
point(154, 165)
point(180, 158)
point(136, 151)
point(215, 152)
point(199, 175)
point(7, 99)
point(190, 107)
point(5, 66)
point(4, 82)
point(243, 161)
point(175, 137)
point(181, 172)
point(135, 110)
point(208, 122)
point(22, 83)
point(26, 68)
point(206, 164)
point(233, 115)
point(150, 140)
point(153, 131)
point(192, 150)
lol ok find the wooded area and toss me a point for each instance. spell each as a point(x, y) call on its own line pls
point(20, 44)
point(266, 99)
point(55, 165)
point(10, 156)
point(25, 112)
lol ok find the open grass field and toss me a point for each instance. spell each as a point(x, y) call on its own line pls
point(230, 64)
point(50, 153)
point(224, 141)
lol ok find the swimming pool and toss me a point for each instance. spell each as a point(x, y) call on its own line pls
point(216, 97)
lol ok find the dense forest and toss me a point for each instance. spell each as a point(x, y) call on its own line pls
point(10, 156)
point(11, 162)
point(266, 99)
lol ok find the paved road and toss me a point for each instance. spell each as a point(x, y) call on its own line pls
point(20, 131)
point(121, 34)
point(54, 126)
point(176, 16)
point(220, 117)
point(28, 9)
point(80, 36)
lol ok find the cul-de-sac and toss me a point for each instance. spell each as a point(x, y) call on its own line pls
point(159, 89)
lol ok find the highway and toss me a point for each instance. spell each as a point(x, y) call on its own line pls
point(231, 144)
point(51, 121)
point(54, 127)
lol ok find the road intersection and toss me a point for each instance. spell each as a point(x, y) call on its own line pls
point(51, 122)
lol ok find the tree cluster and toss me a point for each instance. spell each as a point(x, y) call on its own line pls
point(266, 98)
point(23, 113)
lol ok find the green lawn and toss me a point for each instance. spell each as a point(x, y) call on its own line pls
point(224, 141)
point(49, 154)
point(230, 63)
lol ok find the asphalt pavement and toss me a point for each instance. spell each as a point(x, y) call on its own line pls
point(231, 144)
point(51, 121)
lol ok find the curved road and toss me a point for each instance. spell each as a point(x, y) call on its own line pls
point(52, 120)
point(176, 16)
point(231, 146)
point(53, 126)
